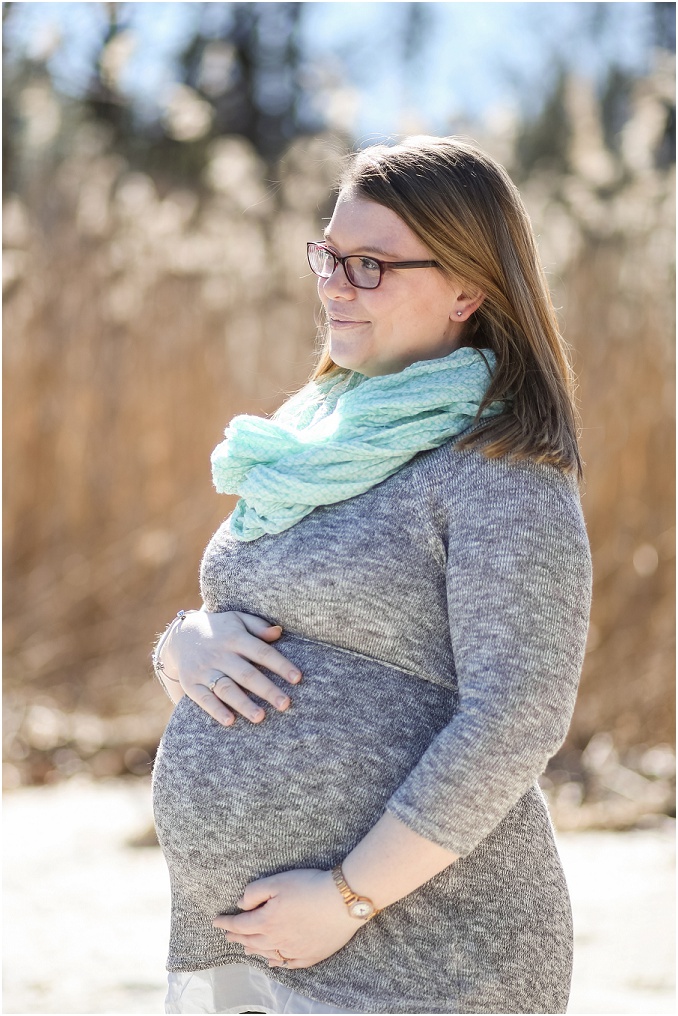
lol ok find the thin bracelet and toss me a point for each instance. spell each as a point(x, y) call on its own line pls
point(158, 665)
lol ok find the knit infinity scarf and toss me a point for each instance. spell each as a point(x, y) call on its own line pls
point(338, 437)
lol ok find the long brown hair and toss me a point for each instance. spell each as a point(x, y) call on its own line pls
point(466, 209)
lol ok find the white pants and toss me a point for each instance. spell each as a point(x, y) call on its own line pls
point(236, 988)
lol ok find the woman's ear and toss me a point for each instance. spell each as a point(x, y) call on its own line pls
point(466, 304)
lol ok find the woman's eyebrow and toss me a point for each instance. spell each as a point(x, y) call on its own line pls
point(366, 248)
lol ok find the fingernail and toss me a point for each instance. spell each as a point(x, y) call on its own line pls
point(282, 703)
point(258, 716)
point(228, 723)
point(294, 675)
point(275, 627)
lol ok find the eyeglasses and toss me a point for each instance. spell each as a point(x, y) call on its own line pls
point(361, 271)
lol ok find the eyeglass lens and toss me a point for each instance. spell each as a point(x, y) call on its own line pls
point(361, 271)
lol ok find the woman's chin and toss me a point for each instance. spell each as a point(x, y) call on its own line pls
point(349, 358)
point(352, 359)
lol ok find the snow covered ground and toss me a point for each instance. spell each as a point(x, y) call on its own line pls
point(86, 913)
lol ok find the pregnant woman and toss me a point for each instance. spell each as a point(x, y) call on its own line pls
point(392, 632)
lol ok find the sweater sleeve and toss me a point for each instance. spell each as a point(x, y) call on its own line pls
point(518, 577)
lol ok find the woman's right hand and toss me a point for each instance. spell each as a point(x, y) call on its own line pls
point(224, 647)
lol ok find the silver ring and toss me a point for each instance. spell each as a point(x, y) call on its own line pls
point(215, 681)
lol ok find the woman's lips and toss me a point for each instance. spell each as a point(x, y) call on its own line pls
point(343, 323)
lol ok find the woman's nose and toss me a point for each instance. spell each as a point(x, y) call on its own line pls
point(337, 285)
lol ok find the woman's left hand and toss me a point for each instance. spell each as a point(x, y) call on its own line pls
point(297, 914)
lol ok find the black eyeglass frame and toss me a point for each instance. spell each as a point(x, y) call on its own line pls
point(383, 265)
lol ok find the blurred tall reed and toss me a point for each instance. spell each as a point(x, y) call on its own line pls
point(139, 317)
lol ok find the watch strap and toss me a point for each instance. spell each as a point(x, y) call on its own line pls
point(346, 891)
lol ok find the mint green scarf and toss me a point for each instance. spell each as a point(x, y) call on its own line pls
point(341, 435)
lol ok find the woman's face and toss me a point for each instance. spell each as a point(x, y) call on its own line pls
point(413, 313)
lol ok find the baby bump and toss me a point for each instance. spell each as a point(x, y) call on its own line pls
point(301, 788)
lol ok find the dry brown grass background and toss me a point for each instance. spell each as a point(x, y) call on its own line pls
point(139, 319)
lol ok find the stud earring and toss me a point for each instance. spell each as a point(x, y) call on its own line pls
point(459, 313)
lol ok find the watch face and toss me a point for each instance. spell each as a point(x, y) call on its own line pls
point(361, 908)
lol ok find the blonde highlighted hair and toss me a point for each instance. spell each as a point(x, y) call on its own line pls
point(465, 208)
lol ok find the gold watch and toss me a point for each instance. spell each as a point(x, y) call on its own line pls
point(358, 906)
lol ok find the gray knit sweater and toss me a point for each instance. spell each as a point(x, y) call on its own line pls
point(439, 620)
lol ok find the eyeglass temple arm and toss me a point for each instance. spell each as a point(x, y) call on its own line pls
point(410, 264)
